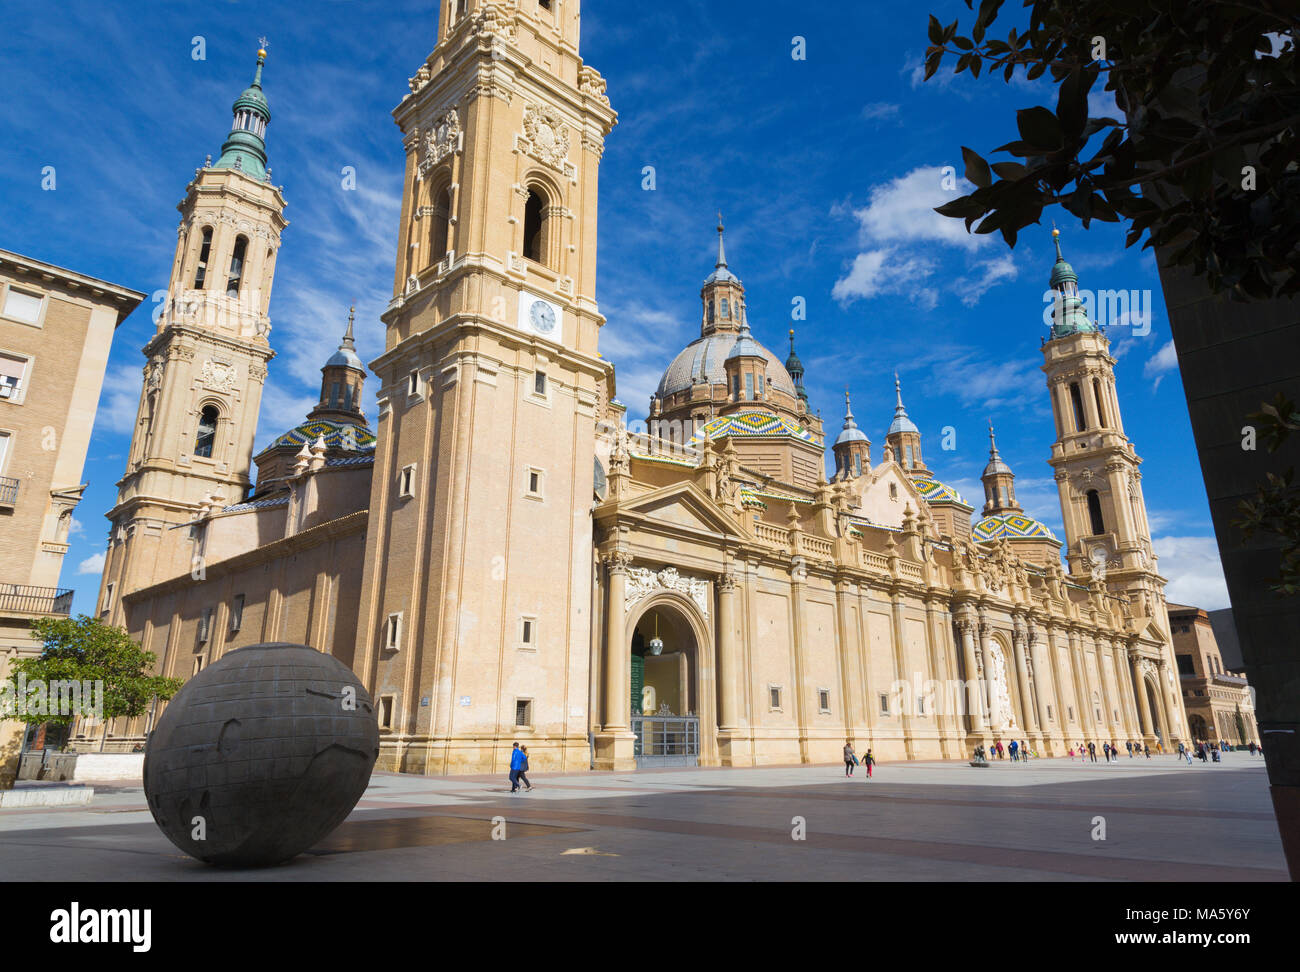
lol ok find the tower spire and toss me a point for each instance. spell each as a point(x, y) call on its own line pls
point(795, 368)
point(852, 448)
point(999, 482)
point(722, 253)
point(904, 438)
point(245, 147)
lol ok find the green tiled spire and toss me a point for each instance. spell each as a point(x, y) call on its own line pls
point(1069, 316)
point(245, 146)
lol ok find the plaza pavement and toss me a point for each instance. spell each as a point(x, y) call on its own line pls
point(927, 821)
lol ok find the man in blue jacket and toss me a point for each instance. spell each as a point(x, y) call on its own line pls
point(516, 764)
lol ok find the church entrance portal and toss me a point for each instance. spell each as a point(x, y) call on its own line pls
point(664, 690)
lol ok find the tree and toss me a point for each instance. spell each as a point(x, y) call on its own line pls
point(1203, 164)
point(84, 652)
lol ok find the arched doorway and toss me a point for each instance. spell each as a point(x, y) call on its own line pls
point(1198, 727)
point(665, 690)
point(1157, 713)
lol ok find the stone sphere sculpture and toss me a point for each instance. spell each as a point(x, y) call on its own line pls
point(261, 755)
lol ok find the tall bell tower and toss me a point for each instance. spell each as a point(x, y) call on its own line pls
point(205, 365)
point(476, 603)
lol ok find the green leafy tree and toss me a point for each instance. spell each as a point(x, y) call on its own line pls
point(1204, 161)
point(86, 650)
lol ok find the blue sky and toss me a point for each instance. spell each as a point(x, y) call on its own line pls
point(825, 170)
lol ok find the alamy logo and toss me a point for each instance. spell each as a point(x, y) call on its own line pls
point(60, 697)
point(102, 925)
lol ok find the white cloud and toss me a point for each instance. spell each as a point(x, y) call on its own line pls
point(903, 211)
point(1162, 362)
point(880, 111)
point(988, 275)
point(1194, 572)
point(94, 564)
point(120, 398)
point(1101, 104)
point(878, 272)
point(76, 527)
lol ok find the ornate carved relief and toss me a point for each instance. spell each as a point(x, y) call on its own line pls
point(642, 582)
point(218, 376)
point(443, 138)
point(546, 139)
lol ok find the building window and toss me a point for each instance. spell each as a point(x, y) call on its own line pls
point(523, 713)
point(13, 377)
point(406, 483)
point(1050, 717)
point(774, 697)
point(198, 664)
point(824, 700)
point(207, 434)
point(920, 705)
point(1094, 513)
point(528, 632)
point(205, 625)
point(413, 384)
point(236, 613)
point(735, 387)
point(534, 228)
point(393, 632)
point(1076, 401)
point(724, 308)
point(22, 305)
point(1070, 711)
point(884, 704)
point(236, 267)
point(539, 383)
point(893, 491)
point(749, 387)
point(387, 703)
point(535, 480)
point(441, 225)
point(857, 465)
point(1096, 391)
point(711, 311)
point(108, 593)
point(205, 250)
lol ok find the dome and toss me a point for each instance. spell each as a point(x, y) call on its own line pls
point(854, 434)
point(721, 275)
point(902, 423)
point(345, 357)
point(1014, 526)
point(753, 423)
point(933, 491)
point(704, 360)
point(996, 466)
point(746, 346)
point(336, 435)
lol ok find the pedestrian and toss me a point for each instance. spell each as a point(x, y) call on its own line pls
point(1147, 750)
point(1071, 754)
point(868, 761)
point(1180, 749)
point(1014, 749)
point(1092, 751)
point(1001, 754)
point(516, 760)
point(1128, 744)
point(850, 760)
point(1189, 754)
point(523, 767)
point(1251, 747)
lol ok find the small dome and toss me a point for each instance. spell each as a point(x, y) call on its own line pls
point(902, 423)
point(851, 435)
point(753, 424)
point(345, 357)
point(721, 275)
point(996, 466)
point(1014, 526)
point(747, 347)
point(933, 491)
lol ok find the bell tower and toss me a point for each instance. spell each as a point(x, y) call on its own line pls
point(205, 365)
point(478, 577)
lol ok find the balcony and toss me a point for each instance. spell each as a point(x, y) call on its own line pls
point(8, 492)
point(23, 599)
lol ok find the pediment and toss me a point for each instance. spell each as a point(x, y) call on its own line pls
point(682, 505)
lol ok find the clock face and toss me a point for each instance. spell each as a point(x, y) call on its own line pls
point(542, 317)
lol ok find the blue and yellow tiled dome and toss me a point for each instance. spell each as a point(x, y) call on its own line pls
point(336, 434)
point(753, 423)
point(1013, 526)
point(933, 491)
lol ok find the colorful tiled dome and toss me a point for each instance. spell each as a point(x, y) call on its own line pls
point(1014, 526)
point(933, 491)
point(336, 436)
point(753, 423)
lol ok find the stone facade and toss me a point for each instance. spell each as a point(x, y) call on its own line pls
point(501, 560)
point(1220, 703)
point(56, 327)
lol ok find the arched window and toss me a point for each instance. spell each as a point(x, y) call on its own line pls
point(205, 249)
point(711, 311)
point(207, 435)
point(1094, 513)
point(441, 224)
point(1077, 401)
point(857, 464)
point(534, 228)
point(236, 267)
point(1101, 411)
point(724, 308)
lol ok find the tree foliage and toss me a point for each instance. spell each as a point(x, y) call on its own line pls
point(86, 650)
point(1204, 163)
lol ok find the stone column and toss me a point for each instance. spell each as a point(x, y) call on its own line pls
point(1144, 704)
point(1059, 697)
point(974, 675)
point(1018, 638)
point(949, 745)
point(850, 679)
point(618, 701)
point(1120, 657)
point(900, 672)
point(986, 672)
point(728, 654)
point(1082, 688)
point(1106, 700)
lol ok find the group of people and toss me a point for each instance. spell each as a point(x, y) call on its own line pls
point(1017, 749)
point(519, 768)
point(851, 760)
point(1109, 751)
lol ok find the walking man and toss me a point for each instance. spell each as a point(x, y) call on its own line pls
point(1092, 751)
point(850, 760)
point(516, 760)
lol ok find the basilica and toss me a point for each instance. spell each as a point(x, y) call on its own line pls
point(499, 559)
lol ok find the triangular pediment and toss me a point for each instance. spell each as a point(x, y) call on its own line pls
point(1148, 629)
point(681, 505)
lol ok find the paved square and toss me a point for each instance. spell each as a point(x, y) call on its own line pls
point(1164, 821)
